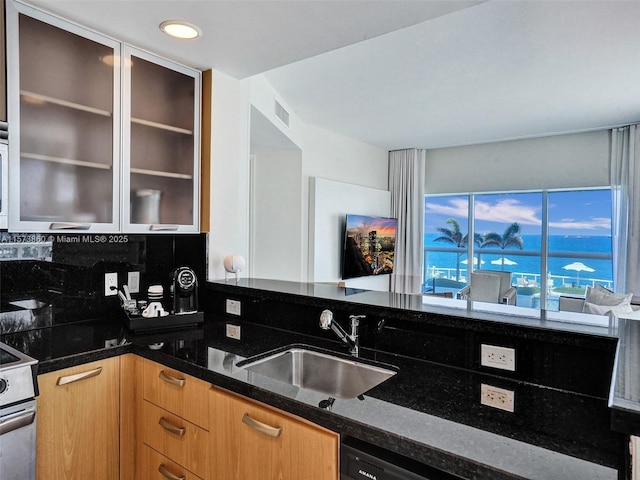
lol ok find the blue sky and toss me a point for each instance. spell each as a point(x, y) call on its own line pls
point(585, 212)
point(384, 226)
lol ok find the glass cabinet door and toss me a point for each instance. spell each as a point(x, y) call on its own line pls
point(3, 70)
point(161, 144)
point(64, 146)
point(4, 182)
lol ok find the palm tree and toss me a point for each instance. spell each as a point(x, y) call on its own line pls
point(510, 238)
point(454, 236)
point(481, 241)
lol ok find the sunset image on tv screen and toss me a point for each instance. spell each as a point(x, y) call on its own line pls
point(369, 246)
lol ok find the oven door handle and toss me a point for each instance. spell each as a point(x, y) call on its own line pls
point(13, 423)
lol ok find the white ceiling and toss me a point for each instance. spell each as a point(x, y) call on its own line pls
point(404, 74)
point(246, 37)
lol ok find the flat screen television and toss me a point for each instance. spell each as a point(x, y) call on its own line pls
point(369, 246)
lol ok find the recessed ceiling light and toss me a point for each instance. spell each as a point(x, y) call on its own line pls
point(177, 29)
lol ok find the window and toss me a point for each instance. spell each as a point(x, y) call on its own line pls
point(553, 243)
point(446, 243)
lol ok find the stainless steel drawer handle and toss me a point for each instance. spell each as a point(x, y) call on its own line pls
point(261, 427)
point(178, 382)
point(69, 226)
point(163, 228)
point(171, 428)
point(15, 423)
point(79, 376)
point(167, 474)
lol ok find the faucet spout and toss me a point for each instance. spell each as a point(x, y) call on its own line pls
point(327, 323)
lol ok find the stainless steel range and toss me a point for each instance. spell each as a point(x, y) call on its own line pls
point(18, 389)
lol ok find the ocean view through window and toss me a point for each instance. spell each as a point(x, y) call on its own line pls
point(553, 242)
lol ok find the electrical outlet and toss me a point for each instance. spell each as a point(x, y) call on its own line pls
point(233, 307)
point(498, 357)
point(133, 281)
point(233, 331)
point(497, 397)
point(111, 343)
point(110, 280)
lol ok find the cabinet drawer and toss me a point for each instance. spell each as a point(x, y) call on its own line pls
point(155, 466)
point(181, 441)
point(176, 392)
point(252, 441)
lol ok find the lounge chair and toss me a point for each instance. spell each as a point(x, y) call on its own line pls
point(491, 286)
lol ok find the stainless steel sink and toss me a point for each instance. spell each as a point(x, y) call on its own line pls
point(338, 377)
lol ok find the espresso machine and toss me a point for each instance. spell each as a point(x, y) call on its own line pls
point(184, 290)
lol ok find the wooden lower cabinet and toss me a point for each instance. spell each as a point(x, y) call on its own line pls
point(254, 442)
point(154, 466)
point(172, 420)
point(177, 392)
point(78, 421)
point(181, 441)
point(111, 420)
point(131, 401)
point(635, 457)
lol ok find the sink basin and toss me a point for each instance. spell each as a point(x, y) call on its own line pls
point(321, 371)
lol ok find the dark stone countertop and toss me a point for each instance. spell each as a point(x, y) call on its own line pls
point(624, 398)
point(428, 411)
point(461, 312)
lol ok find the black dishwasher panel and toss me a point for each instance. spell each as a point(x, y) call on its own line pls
point(362, 461)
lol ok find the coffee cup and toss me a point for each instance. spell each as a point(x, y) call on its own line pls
point(154, 309)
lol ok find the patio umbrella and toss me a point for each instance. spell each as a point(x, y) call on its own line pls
point(475, 261)
point(503, 261)
point(578, 267)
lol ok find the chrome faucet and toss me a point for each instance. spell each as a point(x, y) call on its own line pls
point(327, 323)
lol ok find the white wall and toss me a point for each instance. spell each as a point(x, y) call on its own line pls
point(277, 235)
point(336, 157)
point(562, 161)
point(262, 97)
point(229, 172)
point(324, 154)
point(331, 201)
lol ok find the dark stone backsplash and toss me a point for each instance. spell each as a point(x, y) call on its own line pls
point(560, 385)
point(68, 285)
point(555, 359)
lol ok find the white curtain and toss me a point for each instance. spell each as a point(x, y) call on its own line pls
point(625, 186)
point(406, 182)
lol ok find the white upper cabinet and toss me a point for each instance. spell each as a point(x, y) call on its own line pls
point(64, 112)
point(161, 144)
point(3, 68)
point(103, 138)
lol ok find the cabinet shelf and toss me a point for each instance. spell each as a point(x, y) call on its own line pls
point(37, 98)
point(64, 161)
point(102, 166)
point(161, 126)
point(158, 173)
